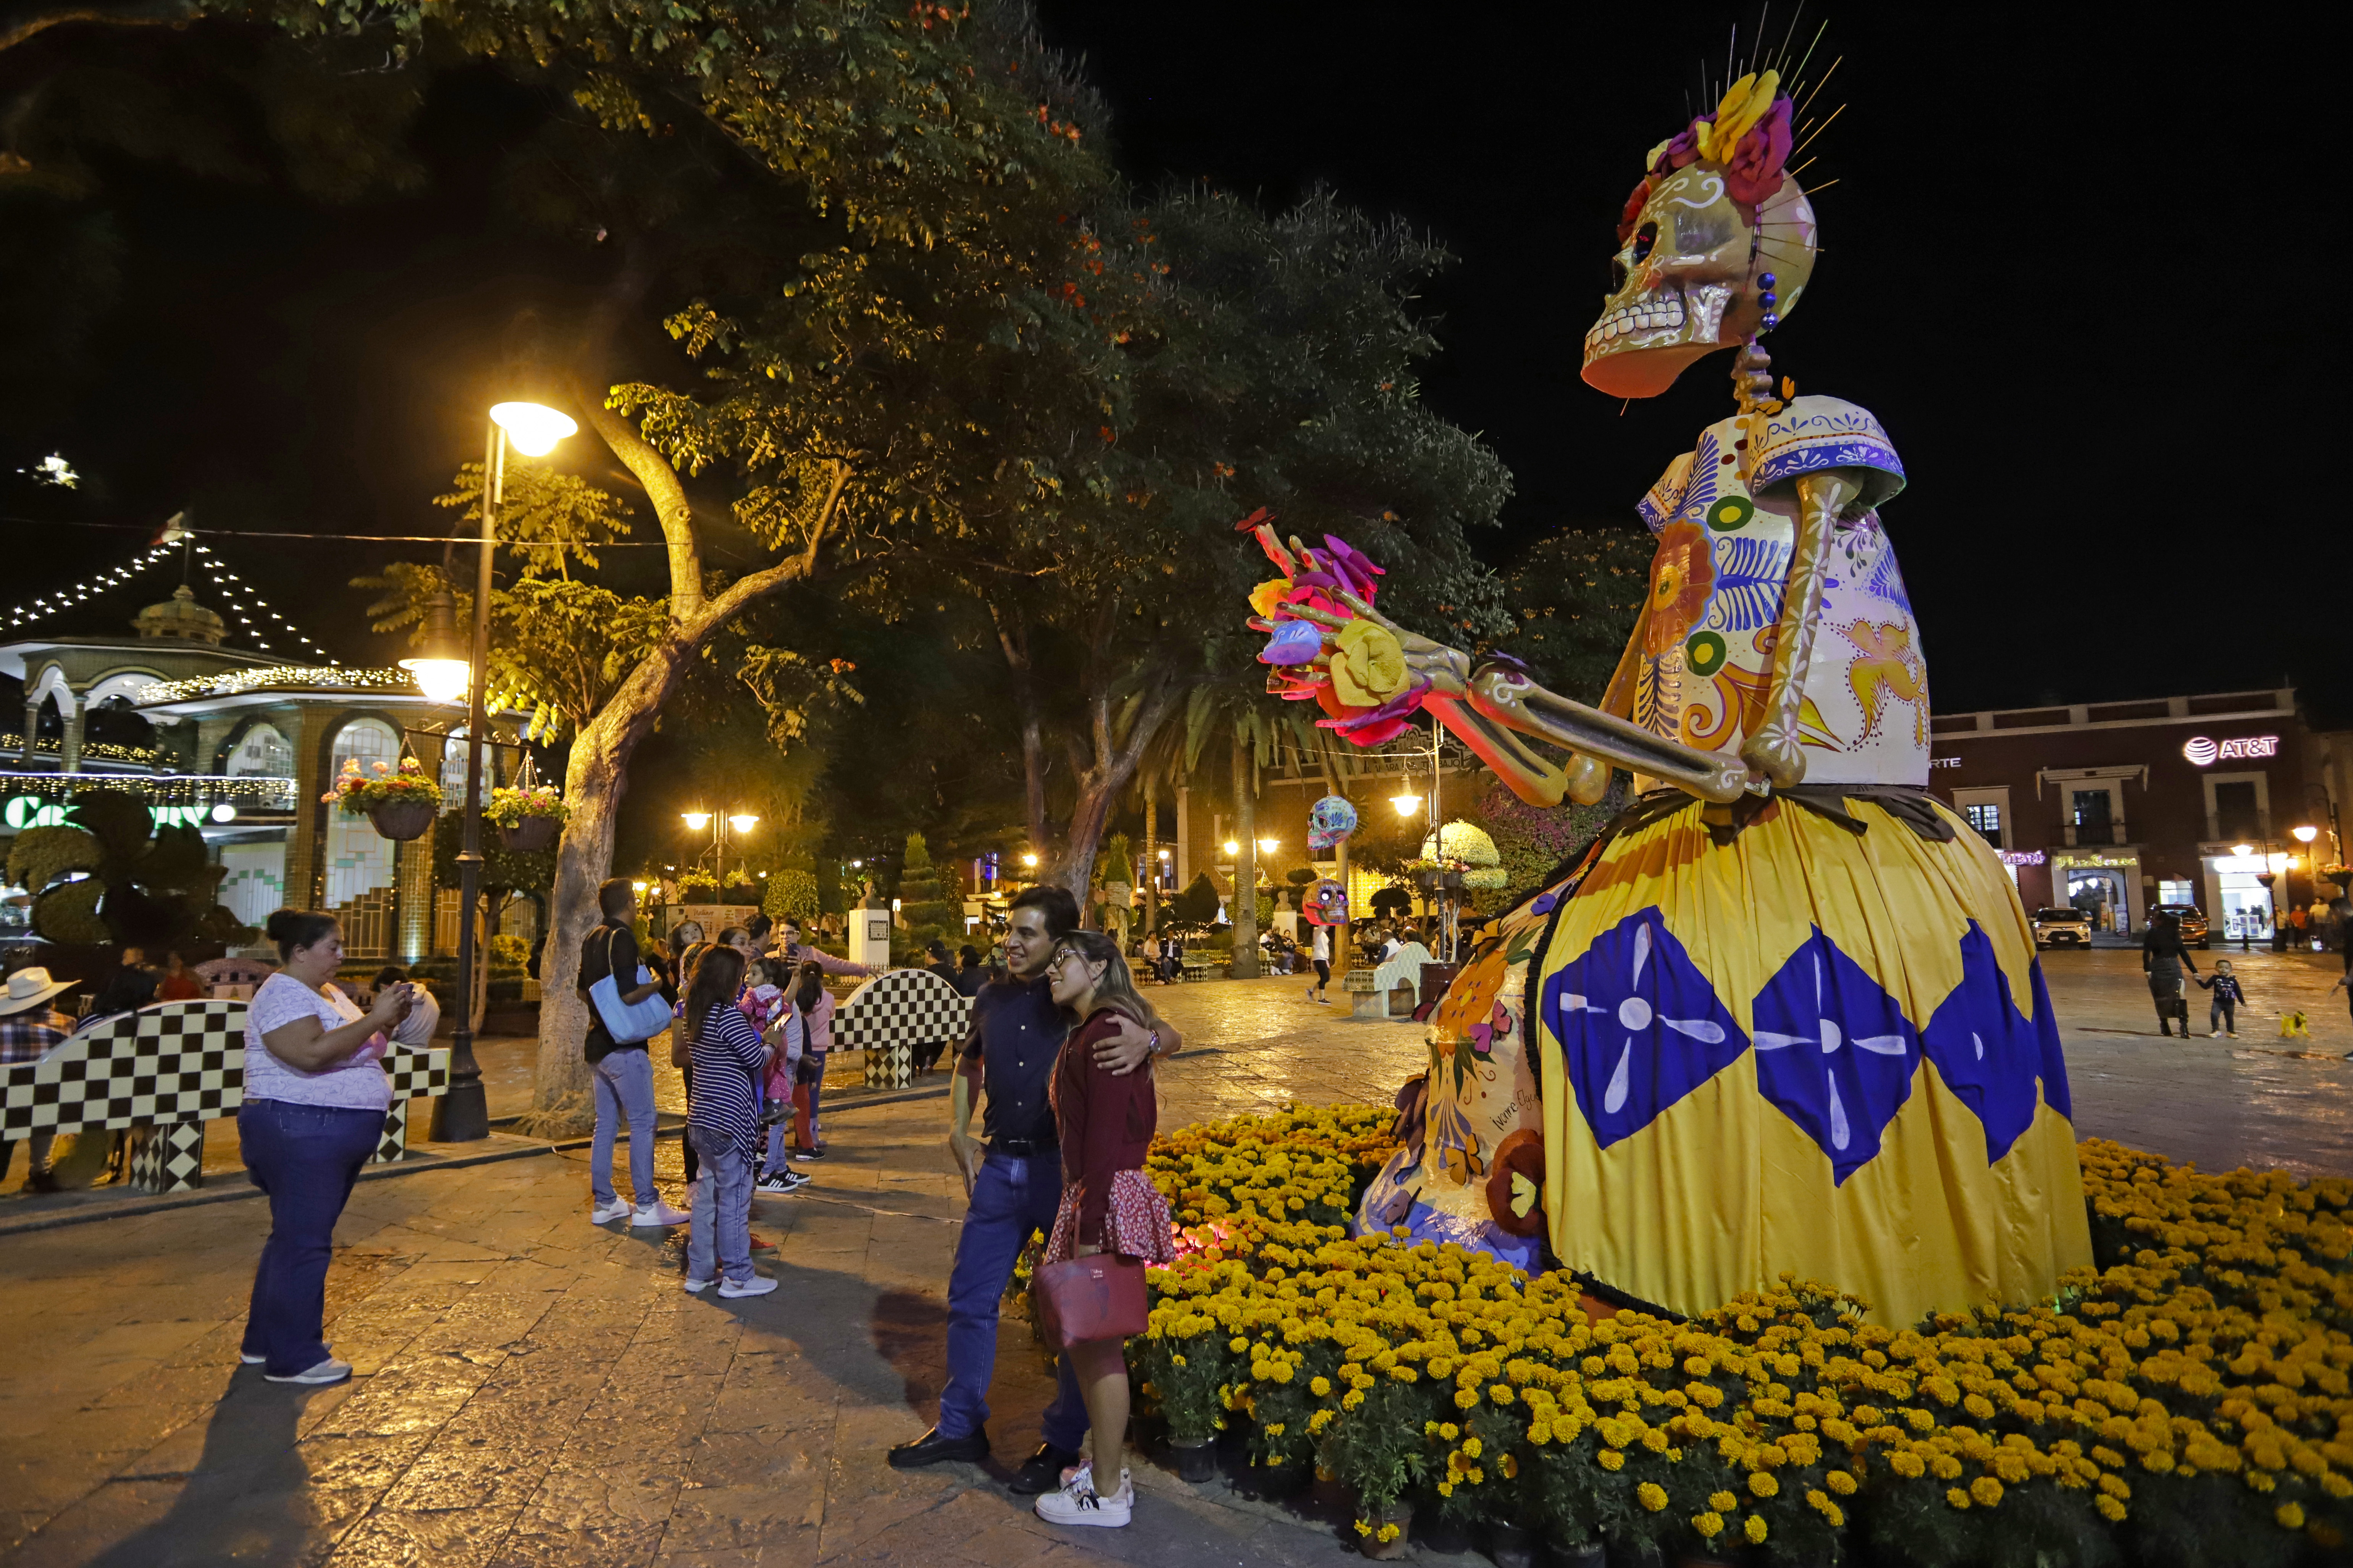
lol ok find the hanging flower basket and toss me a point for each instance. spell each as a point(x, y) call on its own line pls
point(401, 802)
point(516, 809)
point(403, 819)
point(532, 832)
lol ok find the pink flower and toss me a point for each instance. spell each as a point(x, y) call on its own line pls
point(1755, 172)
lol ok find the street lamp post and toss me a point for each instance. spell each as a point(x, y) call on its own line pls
point(463, 1114)
point(743, 822)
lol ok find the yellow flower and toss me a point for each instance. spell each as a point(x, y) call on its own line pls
point(1710, 1525)
point(1319, 1386)
point(1267, 596)
point(1612, 1459)
point(1368, 666)
point(1755, 1530)
point(1841, 1482)
point(2110, 1508)
point(1957, 1497)
point(2290, 1515)
point(1651, 1495)
point(1723, 1502)
point(1762, 1484)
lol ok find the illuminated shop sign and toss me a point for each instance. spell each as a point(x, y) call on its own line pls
point(2022, 856)
point(2202, 753)
point(22, 811)
point(1944, 762)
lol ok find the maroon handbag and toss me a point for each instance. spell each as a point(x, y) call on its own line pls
point(1098, 1297)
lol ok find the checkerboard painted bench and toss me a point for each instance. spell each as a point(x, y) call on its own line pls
point(893, 1013)
point(173, 1067)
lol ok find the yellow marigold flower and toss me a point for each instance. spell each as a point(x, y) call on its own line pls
point(2290, 1515)
point(1500, 1393)
point(1723, 1502)
point(1841, 1482)
point(2110, 1508)
point(1986, 1489)
point(1761, 1483)
point(1466, 1398)
point(1957, 1497)
point(1319, 1386)
point(1651, 1495)
point(1710, 1525)
point(1755, 1530)
point(1238, 1344)
point(1612, 1459)
point(1909, 1465)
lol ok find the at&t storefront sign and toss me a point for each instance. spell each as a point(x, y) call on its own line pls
point(2204, 752)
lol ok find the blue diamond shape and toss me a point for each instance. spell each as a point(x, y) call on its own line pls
point(1989, 1054)
point(1834, 1052)
point(1640, 1026)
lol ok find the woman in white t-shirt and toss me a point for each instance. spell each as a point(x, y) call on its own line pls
point(315, 1097)
point(1322, 954)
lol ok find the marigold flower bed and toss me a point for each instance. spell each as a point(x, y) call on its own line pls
point(2186, 1402)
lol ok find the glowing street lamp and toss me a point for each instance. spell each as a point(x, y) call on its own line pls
point(1269, 846)
point(440, 666)
point(1232, 848)
point(2304, 832)
point(1406, 804)
point(463, 1113)
point(743, 822)
point(533, 428)
point(696, 820)
point(1030, 862)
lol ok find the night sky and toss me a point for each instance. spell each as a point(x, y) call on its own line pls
point(2077, 264)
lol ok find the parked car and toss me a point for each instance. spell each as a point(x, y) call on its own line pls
point(2063, 927)
point(2194, 923)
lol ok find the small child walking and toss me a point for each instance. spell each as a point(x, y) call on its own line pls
point(2222, 1012)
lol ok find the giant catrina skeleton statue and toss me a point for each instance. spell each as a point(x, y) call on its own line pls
point(1786, 1014)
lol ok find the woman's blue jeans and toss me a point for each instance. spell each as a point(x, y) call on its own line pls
point(306, 1157)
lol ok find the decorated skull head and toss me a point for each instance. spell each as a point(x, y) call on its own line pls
point(1327, 903)
point(1716, 244)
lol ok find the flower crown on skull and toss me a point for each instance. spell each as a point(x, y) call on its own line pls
point(1748, 136)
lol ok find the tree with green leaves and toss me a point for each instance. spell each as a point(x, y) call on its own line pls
point(928, 908)
point(1573, 597)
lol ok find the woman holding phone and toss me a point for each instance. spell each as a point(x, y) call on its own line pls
point(315, 1097)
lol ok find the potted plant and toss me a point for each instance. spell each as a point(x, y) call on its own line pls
point(1379, 1455)
point(402, 802)
point(528, 819)
point(1182, 1362)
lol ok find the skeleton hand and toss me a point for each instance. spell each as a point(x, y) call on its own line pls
point(1429, 665)
point(1773, 753)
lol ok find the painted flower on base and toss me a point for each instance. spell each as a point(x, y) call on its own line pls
point(1682, 574)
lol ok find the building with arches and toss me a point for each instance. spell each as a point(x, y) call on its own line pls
point(242, 745)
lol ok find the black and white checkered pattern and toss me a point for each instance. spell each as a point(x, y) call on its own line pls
point(892, 1013)
point(173, 1067)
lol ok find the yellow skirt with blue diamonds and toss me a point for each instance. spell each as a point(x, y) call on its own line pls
point(1822, 1046)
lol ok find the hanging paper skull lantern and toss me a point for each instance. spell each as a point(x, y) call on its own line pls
point(1326, 904)
point(1329, 821)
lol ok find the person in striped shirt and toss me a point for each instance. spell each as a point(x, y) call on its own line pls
point(722, 1122)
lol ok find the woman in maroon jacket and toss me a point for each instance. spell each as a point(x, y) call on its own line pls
point(1105, 1123)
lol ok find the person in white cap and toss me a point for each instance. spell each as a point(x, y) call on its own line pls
point(29, 1028)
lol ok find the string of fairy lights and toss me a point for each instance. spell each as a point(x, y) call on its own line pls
point(239, 602)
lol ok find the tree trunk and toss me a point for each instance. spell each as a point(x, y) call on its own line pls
point(1151, 851)
point(1245, 961)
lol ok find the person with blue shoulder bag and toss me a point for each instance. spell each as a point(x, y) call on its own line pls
point(621, 1020)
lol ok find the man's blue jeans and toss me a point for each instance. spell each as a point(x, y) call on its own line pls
point(625, 1088)
point(720, 1245)
point(306, 1157)
point(1011, 1198)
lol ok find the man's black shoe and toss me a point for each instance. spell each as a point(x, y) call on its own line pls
point(932, 1448)
point(1042, 1472)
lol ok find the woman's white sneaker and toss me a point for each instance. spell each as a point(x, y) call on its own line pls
point(328, 1371)
point(1079, 1503)
point(758, 1285)
point(617, 1209)
point(658, 1212)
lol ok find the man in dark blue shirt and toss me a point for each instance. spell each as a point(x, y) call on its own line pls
point(1014, 1184)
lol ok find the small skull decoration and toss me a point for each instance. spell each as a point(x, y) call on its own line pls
point(1327, 903)
point(1716, 243)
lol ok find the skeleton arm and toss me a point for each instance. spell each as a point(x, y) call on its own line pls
point(1482, 706)
point(1774, 750)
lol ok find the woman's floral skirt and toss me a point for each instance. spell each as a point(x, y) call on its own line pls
point(1135, 1226)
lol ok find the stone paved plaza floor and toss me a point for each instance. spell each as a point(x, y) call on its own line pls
point(533, 1389)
